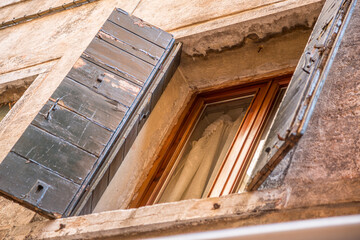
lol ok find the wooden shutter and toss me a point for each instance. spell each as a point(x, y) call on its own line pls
point(296, 108)
point(104, 100)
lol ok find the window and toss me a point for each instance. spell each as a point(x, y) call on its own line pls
point(212, 149)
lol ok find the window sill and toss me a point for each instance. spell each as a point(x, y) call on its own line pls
point(235, 210)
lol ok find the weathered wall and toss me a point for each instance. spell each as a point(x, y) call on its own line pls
point(208, 25)
point(319, 178)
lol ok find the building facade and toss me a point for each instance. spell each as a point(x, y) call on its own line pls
point(224, 45)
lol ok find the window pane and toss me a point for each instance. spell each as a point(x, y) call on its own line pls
point(263, 137)
point(201, 158)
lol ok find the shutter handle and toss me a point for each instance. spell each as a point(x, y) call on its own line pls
point(53, 108)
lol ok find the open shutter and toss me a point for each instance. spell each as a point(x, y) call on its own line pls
point(296, 108)
point(104, 100)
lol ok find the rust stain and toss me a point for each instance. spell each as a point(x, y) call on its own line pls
point(57, 215)
point(106, 80)
point(109, 75)
point(62, 226)
point(61, 102)
point(280, 137)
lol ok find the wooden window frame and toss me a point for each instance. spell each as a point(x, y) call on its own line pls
point(238, 158)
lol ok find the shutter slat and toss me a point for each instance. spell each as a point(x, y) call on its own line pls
point(82, 100)
point(74, 165)
point(295, 110)
point(104, 82)
point(112, 69)
point(20, 179)
point(80, 131)
point(141, 28)
point(131, 65)
point(130, 43)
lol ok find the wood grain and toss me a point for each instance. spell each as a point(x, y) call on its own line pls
point(82, 100)
point(54, 153)
point(79, 131)
point(19, 186)
point(115, 58)
point(130, 42)
point(104, 82)
point(141, 28)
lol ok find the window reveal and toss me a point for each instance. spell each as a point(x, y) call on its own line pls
point(11, 91)
point(210, 152)
point(5, 108)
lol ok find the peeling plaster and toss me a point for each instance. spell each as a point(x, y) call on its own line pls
point(236, 35)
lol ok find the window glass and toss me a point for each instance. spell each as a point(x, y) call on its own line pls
point(263, 137)
point(201, 158)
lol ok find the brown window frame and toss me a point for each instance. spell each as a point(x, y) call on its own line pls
point(238, 159)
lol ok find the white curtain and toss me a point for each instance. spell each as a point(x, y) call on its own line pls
point(195, 173)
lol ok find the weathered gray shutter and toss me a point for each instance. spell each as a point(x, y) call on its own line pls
point(69, 148)
point(296, 108)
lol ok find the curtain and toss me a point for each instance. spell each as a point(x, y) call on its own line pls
point(196, 172)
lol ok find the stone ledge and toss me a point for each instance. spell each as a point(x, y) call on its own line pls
point(275, 205)
point(258, 24)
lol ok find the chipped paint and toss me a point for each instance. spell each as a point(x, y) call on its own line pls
point(79, 63)
point(103, 35)
point(121, 72)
